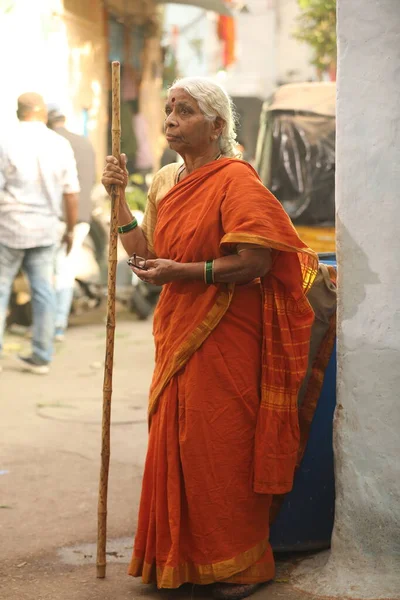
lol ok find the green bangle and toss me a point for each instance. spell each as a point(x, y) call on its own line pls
point(125, 228)
point(209, 272)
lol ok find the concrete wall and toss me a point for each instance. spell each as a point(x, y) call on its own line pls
point(365, 557)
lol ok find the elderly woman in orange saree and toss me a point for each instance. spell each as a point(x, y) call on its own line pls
point(232, 331)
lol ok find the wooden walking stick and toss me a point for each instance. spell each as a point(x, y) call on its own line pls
point(109, 360)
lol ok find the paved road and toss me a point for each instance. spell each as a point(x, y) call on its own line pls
point(49, 465)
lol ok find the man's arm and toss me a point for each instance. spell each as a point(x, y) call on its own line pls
point(71, 216)
point(70, 194)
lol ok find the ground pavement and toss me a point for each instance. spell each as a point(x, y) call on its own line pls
point(49, 468)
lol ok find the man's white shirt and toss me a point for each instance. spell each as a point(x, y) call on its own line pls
point(37, 166)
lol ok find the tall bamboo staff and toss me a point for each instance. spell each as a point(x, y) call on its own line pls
point(109, 360)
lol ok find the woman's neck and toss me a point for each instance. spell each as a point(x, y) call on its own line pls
point(195, 162)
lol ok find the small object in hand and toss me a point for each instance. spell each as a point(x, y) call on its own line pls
point(138, 262)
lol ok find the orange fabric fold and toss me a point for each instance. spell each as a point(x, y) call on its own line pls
point(287, 319)
point(311, 395)
point(224, 431)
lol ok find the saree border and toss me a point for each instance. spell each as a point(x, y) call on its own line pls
point(189, 572)
point(309, 269)
point(316, 380)
point(309, 405)
point(192, 343)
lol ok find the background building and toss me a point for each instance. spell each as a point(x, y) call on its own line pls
point(62, 50)
point(250, 54)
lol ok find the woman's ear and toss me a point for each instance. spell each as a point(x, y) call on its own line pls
point(218, 127)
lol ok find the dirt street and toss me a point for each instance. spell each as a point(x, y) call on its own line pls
point(49, 469)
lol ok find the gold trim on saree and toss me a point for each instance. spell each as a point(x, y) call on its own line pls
point(315, 383)
point(193, 343)
point(173, 577)
point(309, 266)
point(309, 405)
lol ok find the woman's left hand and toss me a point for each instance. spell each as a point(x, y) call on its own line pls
point(158, 271)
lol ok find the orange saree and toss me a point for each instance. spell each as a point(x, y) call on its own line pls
point(224, 431)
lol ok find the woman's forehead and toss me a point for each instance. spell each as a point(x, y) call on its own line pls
point(180, 95)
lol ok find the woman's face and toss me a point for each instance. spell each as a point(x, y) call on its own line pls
point(186, 128)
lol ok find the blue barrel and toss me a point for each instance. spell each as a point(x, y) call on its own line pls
point(305, 521)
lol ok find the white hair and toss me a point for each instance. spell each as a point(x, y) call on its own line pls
point(213, 102)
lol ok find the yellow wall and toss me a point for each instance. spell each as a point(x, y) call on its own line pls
point(151, 100)
point(88, 75)
point(89, 66)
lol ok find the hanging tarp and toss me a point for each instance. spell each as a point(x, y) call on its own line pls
point(303, 167)
point(296, 151)
point(226, 30)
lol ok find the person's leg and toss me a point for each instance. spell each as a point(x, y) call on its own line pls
point(66, 266)
point(38, 264)
point(64, 297)
point(10, 263)
point(63, 290)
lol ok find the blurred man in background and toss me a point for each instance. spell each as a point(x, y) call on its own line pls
point(66, 264)
point(37, 173)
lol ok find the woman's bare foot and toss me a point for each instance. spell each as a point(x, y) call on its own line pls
point(234, 591)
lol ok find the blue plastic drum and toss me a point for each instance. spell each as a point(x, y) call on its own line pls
point(305, 521)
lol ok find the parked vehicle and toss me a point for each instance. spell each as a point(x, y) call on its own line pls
point(295, 157)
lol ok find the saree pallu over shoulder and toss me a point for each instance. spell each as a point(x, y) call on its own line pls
point(204, 217)
point(288, 319)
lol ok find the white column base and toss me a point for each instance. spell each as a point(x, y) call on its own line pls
point(325, 575)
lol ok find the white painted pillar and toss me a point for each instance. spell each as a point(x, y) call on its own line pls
point(365, 558)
